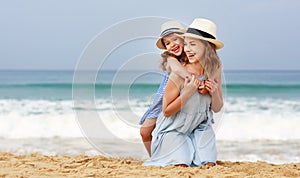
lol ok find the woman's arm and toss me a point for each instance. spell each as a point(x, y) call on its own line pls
point(214, 87)
point(173, 100)
point(177, 68)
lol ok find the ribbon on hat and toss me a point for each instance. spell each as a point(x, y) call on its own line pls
point(200, 33)
point(168, 31)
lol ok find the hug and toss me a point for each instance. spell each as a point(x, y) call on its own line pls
point(177, 127)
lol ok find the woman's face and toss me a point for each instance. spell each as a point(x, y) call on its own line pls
point(174, 44)
point(194, 49)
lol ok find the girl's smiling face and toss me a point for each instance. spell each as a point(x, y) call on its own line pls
point(194, 49)
point(174, 44)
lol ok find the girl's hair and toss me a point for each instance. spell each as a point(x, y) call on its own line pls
point(182, 58)
point(211, 61)
point(164, 57)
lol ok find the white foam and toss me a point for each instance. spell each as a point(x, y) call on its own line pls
point(14, 125)
point(260, 125)
point(35, 107)
point(243, 119)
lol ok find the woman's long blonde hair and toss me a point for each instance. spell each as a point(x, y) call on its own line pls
point(210, 62)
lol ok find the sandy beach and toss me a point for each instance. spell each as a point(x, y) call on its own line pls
point(37, 165)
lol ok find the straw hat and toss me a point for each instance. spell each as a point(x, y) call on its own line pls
point(204, 29)
point(166, 29)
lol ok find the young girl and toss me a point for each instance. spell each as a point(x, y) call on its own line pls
point(186, 138)
point(173, 57)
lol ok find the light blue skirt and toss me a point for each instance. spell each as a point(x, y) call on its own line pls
point(192, 149)
point(186, 137)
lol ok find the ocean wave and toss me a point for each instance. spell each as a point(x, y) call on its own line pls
point(241, 118)
point(263, 86)
point(242, 104)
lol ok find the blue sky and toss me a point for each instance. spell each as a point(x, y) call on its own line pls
point(258, 34)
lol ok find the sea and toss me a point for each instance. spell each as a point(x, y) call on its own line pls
point(40, 112)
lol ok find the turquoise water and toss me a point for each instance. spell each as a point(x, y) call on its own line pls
point(57, 85)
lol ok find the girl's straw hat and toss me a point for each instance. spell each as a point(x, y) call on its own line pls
point(166, 29)
point(204, 29)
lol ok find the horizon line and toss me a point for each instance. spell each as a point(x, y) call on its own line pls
point(141, 70)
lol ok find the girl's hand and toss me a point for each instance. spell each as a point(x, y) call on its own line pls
point(211, 86)
point(191, 85)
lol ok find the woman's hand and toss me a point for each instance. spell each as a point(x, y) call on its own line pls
point(211, 86)
point(201, 89)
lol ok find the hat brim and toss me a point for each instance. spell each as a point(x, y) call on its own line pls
point(217, 43)
point(159, 42)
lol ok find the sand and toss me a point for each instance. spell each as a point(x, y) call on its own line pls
point(36, 165)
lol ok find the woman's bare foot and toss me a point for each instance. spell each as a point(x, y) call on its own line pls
point(181, 165)
point(210, 164)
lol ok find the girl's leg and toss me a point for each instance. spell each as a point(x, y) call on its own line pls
point(146, 131)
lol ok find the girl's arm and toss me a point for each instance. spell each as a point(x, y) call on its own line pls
point(173, 100)
point(177, 68)
point(214, 87)
point(174, 65)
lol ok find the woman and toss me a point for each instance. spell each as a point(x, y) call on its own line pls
point(172, 58)
point(186, 138)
